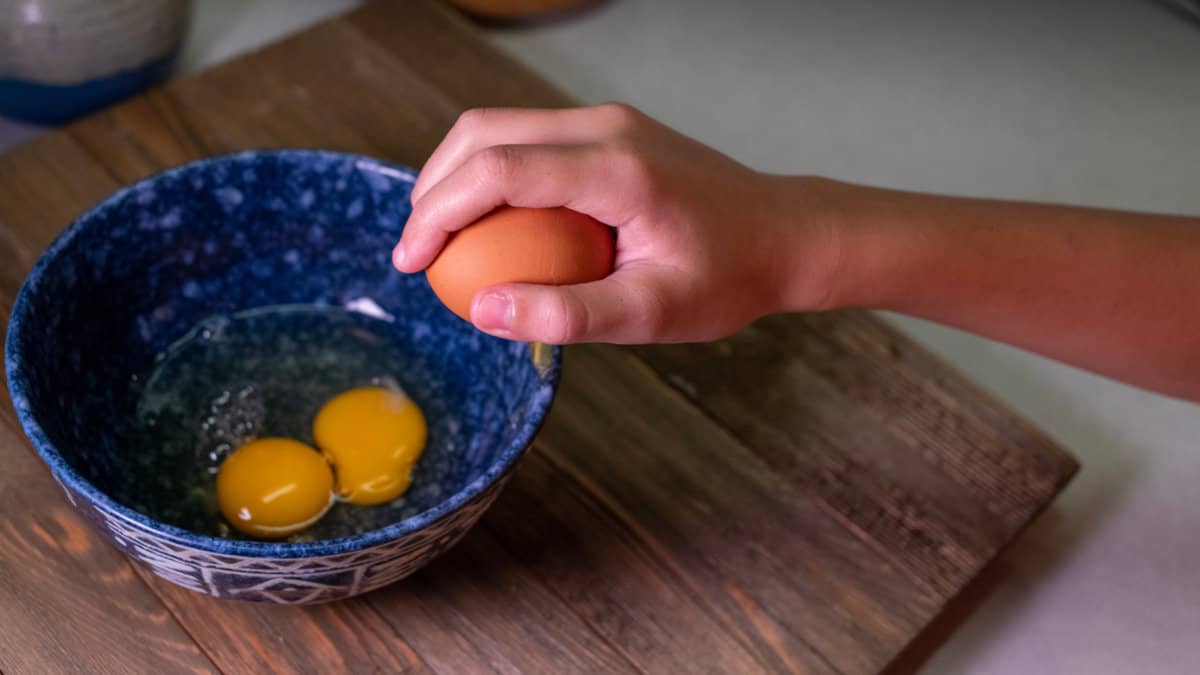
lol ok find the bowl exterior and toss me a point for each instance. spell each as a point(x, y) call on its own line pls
point(285, 581)
point(273, 572)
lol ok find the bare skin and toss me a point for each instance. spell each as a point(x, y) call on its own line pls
point(707, 245)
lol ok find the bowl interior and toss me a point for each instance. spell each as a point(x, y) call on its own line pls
point(224, 235)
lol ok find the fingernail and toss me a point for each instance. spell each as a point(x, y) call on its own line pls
point(493, 313)
point(398, 255)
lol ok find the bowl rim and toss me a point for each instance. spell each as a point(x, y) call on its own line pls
point(72, 481)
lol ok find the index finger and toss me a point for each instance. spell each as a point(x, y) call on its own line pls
point(522, 175)
point(481, 128)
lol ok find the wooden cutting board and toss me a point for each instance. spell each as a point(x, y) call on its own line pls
point(805, 496)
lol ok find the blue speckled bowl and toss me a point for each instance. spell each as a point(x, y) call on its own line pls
point(225, 234)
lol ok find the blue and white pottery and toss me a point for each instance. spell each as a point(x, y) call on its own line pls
point(60, 59)
point(222, 235)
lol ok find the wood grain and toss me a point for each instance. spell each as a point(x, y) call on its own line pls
point(853, 413)
point(764, 554)
point(499, 612)
point(68, 601)
point(805, 496)
point(620, 582)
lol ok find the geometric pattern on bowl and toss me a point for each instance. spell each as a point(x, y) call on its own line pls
point(286, 580)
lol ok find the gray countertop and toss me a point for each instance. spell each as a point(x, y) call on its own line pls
point(1082, 101)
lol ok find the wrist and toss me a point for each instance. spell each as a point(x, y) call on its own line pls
point(815, 268)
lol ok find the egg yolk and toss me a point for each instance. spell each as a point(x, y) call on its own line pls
point(373, 436)
point(272, 487)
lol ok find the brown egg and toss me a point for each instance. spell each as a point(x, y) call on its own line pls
point(539, 246)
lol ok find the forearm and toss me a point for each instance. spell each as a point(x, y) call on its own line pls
point(1114, 292)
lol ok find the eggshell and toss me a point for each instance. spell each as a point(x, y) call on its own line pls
point(540, 246)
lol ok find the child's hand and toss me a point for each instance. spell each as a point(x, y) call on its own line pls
point(703, 242)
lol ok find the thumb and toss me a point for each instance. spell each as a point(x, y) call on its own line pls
point(625, 308)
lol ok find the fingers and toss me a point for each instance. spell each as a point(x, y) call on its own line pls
point(520, 175)
point(626, 308)
point(484, 127)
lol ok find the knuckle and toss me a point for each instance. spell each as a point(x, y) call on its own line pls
point(567, 320)
point(621, 116)
point(470, 119)
point(498, 163)
point(632, 162)
point(646, 305)
point(416, 225)
point(652, 313)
